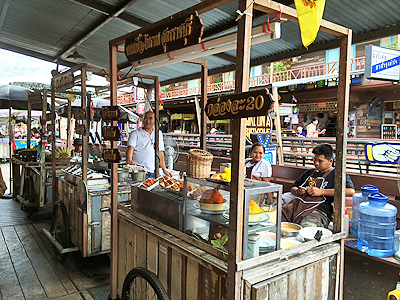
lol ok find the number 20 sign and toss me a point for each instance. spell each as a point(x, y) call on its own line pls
point(242, 105)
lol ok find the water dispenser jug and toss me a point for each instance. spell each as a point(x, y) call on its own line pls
point(357, 199)
point(376, 226)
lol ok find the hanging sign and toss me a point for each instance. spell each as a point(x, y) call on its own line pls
point(80, 114)
point(140, 108)
point(179, 33)
point(35, 97)
point(110, 113)
point(50, 116)
point(111, 133)
point(188, 117)
point(50, 139)
point(242, 105)
point(80, 129)
point(176, 117)
point(111, 155)
point(63, 81)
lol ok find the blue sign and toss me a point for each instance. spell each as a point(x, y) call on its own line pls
point(382, 63)
point(270, 152)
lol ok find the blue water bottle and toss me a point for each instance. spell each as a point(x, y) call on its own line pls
point(377, 226)
point(357, 199)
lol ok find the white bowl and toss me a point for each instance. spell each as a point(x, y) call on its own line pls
point(307, 234)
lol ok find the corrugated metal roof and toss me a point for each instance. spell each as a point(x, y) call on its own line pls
point(48, 27)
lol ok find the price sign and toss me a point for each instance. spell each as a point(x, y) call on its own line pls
point(80, 114)
point(242, 105)
point(80, 129)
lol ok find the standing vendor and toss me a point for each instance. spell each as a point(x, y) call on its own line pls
point(141, 147)
point(314, 191)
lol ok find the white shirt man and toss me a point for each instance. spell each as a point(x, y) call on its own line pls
point(141, 146)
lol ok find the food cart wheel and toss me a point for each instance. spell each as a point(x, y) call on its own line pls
point(59, 228)
point(141, 283)
point(29, 195)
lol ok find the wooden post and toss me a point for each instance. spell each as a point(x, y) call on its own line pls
point(114, 181)
point(156, 126)
point(203, 102)
point(235, 233)
point(84, 105)
point(28, 126)
point(69, 125)
point(53, 146)
point(341, 149)
point(198, 113)
point(278, 125)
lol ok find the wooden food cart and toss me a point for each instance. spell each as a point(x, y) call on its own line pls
point(30, 171)
point(79, 227)
point(179, 266)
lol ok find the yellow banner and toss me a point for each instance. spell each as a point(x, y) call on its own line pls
point(310, 14)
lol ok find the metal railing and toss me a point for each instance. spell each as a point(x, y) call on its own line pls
point(357, 64)
point(296, 151)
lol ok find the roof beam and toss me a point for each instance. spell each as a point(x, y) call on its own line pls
point(95, 28)
point(106, 9)
point(4, 12)
point(289, 13)
point(226, 57)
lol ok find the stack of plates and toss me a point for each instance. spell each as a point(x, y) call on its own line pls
point(266, 245)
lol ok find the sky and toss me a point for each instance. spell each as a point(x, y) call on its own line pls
point(15, 67)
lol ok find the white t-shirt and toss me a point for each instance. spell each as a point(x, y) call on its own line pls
point(143, 144)
point(260, 169)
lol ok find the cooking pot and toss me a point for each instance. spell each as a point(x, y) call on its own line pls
point(138, 175)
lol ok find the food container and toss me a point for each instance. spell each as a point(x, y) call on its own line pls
point(290, 229)
point(308, 233)
point(123, 175)
point(253, 245)
point(138, 175)
point(212, 207)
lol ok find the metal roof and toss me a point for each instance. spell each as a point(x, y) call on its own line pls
point(53, 29)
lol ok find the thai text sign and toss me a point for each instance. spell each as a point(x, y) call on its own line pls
point(111, 155)
point(63, 81)
point(110, 113)
point(236, 106)
point(35, 97)
point(111, 133)
point(382, 63)
point(179, 33)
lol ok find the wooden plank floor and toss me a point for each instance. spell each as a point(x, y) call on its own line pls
point(28, 269)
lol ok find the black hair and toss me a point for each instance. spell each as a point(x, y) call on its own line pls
point(324, 149)
point(77, 142)
point(314, 119)
point(257, 145)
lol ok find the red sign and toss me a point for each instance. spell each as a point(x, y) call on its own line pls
point(321, 104)
point(140, 108)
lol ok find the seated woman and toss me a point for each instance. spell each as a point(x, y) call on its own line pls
point(258, 168)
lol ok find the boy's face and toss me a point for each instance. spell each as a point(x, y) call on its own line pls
point(321, 163)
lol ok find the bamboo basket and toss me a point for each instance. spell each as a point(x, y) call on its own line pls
point(199, 163)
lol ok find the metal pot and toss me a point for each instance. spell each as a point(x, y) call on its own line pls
point(123, 175)
point(138, 175)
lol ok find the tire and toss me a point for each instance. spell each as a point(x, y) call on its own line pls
point(59, 228)
point(142, 284)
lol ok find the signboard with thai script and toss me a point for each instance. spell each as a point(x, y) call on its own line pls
point(188, 116)
point(111, 133)
point(110, 113)
point(80, 114)
point(176, 117)
point(80, 129)
point(242, 105)
point(382, 63)
point(63, 81)
point(35, 97)
point(179, 33)
point(111, 155)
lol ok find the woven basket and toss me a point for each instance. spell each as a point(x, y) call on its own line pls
point(199, 163)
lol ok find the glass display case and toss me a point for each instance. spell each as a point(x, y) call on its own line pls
point(204, 220)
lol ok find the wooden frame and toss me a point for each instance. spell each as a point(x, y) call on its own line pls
point(234, 282)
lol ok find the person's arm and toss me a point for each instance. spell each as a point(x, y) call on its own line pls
point(162, 164)
point(314, 191)
point(129, 154)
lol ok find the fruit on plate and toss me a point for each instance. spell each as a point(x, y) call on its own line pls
point(226, 176)
point(211, 196)
point(254, 208)
point(62, 152)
